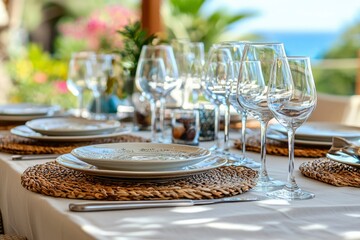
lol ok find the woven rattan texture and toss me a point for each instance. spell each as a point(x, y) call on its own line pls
point(55, 180)
point(331, 172)
point(279, 148)
point(18, 145)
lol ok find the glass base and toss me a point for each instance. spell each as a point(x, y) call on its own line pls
point(287, 194)
point(266, 186)
point(237, 160)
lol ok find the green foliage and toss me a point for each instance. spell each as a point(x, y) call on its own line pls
point(39, 78)
point(134, 38)
point(340, 81)
point(185, 19)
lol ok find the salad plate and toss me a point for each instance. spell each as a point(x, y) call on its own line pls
point(69, 126)
point(26, 111)
point(140, 156)
point(70, 161)
point(281, 137)
point(321, 131)
point(24, 131)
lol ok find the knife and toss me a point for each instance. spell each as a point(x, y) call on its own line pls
point(125, 205)
point(33, 157)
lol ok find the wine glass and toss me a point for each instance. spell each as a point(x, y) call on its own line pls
point(194, 58)
point(77, 74)
point(166, 53)
point(291, 98)
point(236, 49)
point(252, 88)
point(219, 77)
point(100, 69)
point(150, 79)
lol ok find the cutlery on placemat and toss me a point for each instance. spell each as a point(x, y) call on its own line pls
point(34, 157)
point(125, 205)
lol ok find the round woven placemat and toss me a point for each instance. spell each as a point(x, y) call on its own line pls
point(331, 172)
point(280, 148)
point(18, 145)
point(55, 180)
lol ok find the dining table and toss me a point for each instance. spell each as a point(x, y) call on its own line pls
point(334, 213)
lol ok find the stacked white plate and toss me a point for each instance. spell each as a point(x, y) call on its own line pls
point(140, 160)
point(68, 129)
point(26, 111)
point(315, 133)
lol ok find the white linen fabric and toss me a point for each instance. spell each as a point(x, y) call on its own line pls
point(333, 214)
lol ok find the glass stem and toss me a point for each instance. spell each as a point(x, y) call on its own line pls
point(80, 103)
point(243, 132)
point(264, 177)
point(217, 126)
point(291, 183)
point(153, 120)
point(98, 105)
point(227, 126)
point(162, 117)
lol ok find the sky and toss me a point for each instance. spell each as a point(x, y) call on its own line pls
point(294, 15)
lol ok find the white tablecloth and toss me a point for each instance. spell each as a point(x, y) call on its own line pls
point(333, 214)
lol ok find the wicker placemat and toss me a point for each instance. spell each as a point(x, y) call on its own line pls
point(52, 179)
point(280, 148)
point(331, 172)
point(18, 145)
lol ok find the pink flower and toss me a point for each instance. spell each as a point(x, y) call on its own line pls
point(60, 86)
point(40, 77)
point(99, 29)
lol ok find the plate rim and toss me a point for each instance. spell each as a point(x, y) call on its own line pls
point(101, 161)
point(71, 132)
point(312, 137)
point(300, 141)
point(83, 138)
point(92, 170)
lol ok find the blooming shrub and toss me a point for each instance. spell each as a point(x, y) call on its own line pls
point(39, 78)
point(99, 29)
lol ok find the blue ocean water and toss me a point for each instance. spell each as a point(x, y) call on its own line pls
point(310, 44)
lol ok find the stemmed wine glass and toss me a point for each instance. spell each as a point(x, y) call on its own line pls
point(219, 77)
point(99, 69)
point(171, 81)
point(150, 79)
point(291, 98)
point(194, 55)
point(252, 89)
point(236, 49)
point(77, 76)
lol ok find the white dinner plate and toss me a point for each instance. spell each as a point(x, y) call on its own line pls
point(64, 126)
point(278, 136)
point(344, 158)
point(25, 111)
point(321, 131)
point(70, 161)
point(140, 156)
point(24, 131)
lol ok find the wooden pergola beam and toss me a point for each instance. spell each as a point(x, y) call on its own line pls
point(150, 16)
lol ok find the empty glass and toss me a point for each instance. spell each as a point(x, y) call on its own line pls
point(219, 77)
point(100, 69)
point(78, 74)
point(150, 79)
point(291, 98)
point(252, 91)
point(171, 81)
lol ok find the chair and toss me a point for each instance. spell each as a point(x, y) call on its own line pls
point(338, 109)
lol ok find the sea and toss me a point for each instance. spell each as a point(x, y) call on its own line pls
point(312, 44)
